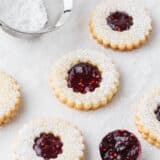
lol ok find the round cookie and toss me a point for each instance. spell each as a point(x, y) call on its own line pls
point(120, 145)
point(148, 117)
point(10, 97)
point(46, 139)
point(85, 79)
point(121, 24)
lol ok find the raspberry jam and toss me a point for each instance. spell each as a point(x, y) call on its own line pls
point(120, 145)
point(84, 77)
point(157, 112)
point(119, 21)
point(47, 146)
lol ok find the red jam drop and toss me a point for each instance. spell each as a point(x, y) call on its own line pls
point(120, 145)
point(47, 146)
point(157, 112)
point(119, 21)
point(84, 77)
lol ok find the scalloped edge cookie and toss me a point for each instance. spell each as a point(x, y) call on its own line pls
point(9, 111)
point(91, 100)
point(146, 134)
point(107, 38)
point(147, 126)
point(23, 149)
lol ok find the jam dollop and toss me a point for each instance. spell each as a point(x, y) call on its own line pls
point(119, 21)
point(47, 146)
point(157, 112)
point(120, 145)
point(84, 77)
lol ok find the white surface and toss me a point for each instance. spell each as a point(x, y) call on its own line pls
point(30, 63)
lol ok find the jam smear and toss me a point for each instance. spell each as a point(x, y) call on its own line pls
point(84, 77)
point(47, 146)
point(119, 21)
point(157, 112)
point(120, 145)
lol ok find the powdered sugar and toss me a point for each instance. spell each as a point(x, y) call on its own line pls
point(136, 33)
point(108, 86)
point(9, 94)
point(24, 15)
point(146, 111)
point(73, 146)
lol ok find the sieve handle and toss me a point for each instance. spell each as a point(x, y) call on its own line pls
point(68, 6)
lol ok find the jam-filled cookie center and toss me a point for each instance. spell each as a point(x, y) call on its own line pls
point(120, 145)
point(47, 146)
point(84, 77)
point(119, 21)
point(157, 113)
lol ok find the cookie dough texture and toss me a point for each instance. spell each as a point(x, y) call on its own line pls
point(136, 36)
point(10, 97)
point(71, 137)
point(146, 120)
point(91, 100)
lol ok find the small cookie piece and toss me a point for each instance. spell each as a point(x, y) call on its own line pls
point(10, 97)
point(47, 139)
point(85, 79)
point(120, 145)
point(148, 117)
point(121, 24)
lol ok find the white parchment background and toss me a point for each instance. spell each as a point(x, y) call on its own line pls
point(30, 63)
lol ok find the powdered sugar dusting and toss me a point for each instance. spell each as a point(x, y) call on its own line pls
point(109, 83)
point(9, 93)
point(146, 111)
point(24, 15)
point(141, 22)
point(71, 138)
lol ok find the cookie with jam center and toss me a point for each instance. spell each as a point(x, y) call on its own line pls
point(148, 117)
point(84, 79)
point(120, 145)
point(48, 139)
point(121, 24)
point(10, 97)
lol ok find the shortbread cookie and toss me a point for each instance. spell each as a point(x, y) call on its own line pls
point(9, 97)
point(85, 79)
point(120, 145)
point(48, 139)
point(148, 117)
point(121, 24)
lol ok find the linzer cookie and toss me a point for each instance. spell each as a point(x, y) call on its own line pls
point(49, 139)
point(85, 79)
point(120, 145)
point(121, 24)
point(10, 97)
point(148, 117)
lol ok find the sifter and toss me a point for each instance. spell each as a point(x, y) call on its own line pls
point(58, 11)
